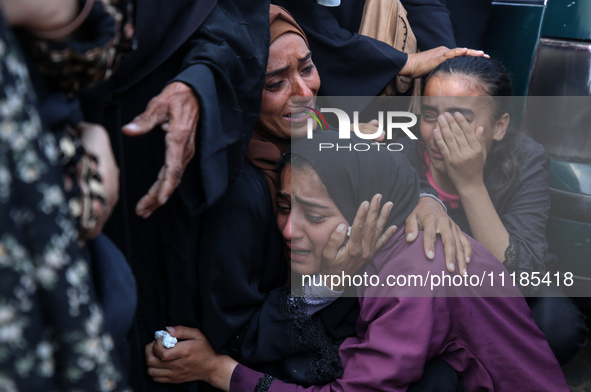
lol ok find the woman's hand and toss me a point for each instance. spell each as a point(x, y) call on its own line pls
point(430, 216)
point(463, 150)
point(176, 110)
point(191, 359)
point(348, 255)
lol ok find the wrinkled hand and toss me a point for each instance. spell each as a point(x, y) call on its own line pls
point(463, 149)
point(420, 64)
point(367, 237)
point(191, 359)
point(176, 110)
point(95, 140)
point(429, 216)
point(371, 128)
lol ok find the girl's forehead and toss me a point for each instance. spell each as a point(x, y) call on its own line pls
point(453, 85)
point(467, 105)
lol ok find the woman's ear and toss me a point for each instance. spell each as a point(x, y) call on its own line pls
point(501, 127)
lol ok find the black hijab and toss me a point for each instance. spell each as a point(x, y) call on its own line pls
point(352, 177)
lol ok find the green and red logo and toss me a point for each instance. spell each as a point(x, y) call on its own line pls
point(316, 114)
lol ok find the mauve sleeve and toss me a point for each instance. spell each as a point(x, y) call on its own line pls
point(389, 356)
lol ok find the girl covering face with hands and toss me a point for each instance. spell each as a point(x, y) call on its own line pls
point(495, 181)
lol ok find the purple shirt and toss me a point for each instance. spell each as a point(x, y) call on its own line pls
point(493, 343)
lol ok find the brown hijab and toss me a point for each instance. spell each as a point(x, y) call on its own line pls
point(265, 149)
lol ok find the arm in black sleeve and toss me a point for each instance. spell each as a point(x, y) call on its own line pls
point(225, 66)
point(240, 259)
point(285, 341)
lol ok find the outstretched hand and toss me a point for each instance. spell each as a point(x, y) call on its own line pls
point(367, 237)
point(420, 64)
point(176, 110)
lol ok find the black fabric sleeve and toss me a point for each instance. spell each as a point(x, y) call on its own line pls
point(284, 341)
point(240, 260)
point(431, 23)
point(225, 65)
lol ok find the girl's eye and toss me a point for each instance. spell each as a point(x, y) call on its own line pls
point(273, 86)
point(429, 117)
point(315, 218)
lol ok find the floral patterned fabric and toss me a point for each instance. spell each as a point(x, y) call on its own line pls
point(51, 327)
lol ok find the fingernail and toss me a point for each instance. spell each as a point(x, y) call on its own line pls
point(468, 259)
point(431, 255)
point(451, 267)
point(390, 205)
point(448, 115)
point(410, 236)
point(379, 197)
point(341, 227)
point(442, 117)
point(464, 272)
point(457, 115)
point(131, 127)
point(436, 131)
point(366, 205)
point(171, 330)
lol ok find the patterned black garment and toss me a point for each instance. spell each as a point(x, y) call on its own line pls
point(51, 327)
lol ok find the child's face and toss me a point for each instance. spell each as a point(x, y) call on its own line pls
point(456, 94)
point(306, 216)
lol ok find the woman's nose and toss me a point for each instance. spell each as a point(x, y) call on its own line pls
point(301, 88)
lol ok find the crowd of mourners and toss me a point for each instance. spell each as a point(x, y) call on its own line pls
point(156, 174)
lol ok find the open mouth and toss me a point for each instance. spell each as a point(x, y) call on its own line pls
point(300, 252)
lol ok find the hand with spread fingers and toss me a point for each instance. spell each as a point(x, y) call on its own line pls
point(463, 149)
point(347, 255)
point(430, 216)
point(176, 110)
